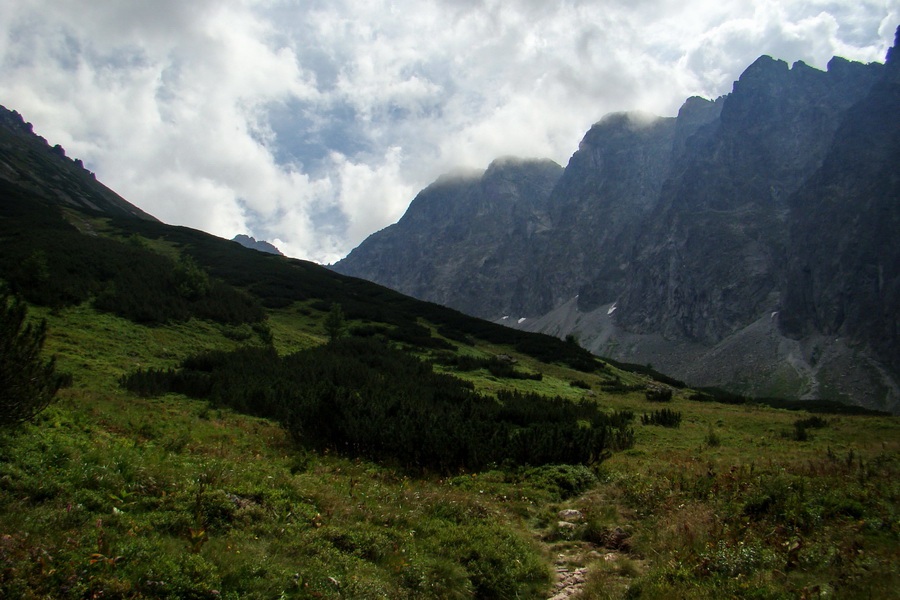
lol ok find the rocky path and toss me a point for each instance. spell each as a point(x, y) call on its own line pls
point(569, 580)
point(574, 558)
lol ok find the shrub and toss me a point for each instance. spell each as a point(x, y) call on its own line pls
point(658, 393)
point(27, 382)
point(367, 398)
point(811, 423)
point(712, 438)
point(561, 481)
point(664, 417)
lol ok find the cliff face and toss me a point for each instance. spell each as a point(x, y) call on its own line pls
point(747, 243)
point(466, 240)
point(843, 272)
point(708, 260)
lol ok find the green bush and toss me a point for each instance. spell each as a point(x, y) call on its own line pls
point(27, 382)
point(364, 397)
point(664, 417)
point(561, 481)
point(658, 393)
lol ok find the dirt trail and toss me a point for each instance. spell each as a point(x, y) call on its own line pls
point(569, 579)
point(574, 558)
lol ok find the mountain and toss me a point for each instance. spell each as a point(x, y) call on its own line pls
point(745, 243)
point(66, 240)
point(29, 163)
point(468, 235)
point(249, 242)
point(237, 424)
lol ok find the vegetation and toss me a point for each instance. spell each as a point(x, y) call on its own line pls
point(28, 383)
point(335, 322)
point(51, 263)
point(417, 457)
point(664, 417)
point(658, 393)
point(338, 397)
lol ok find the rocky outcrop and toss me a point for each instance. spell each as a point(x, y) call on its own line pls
point(746, 243)
point(250, 242)
point(466, 240)
point(843, 275)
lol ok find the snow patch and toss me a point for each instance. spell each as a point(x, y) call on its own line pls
point(612, 308)
point(520, 320)
point(504, 318)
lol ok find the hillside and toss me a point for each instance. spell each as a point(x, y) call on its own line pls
point(745, 243)
point(228, 433)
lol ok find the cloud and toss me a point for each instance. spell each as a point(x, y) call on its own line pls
point(314, 123)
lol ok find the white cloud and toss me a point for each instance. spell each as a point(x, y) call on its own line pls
point(174, 103)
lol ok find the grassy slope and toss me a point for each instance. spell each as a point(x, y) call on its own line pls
point(115, 496)
point(110, 495)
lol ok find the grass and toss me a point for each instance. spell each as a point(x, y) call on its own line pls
point(115, 496)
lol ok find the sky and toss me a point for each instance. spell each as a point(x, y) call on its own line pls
point(314, 123)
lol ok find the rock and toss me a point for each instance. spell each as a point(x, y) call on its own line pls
point(249, 242)
point(570, 514)
point(721, 245)
point(466, 240)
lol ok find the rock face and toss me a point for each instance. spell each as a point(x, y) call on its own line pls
point(747, 243)
point(466, 240)
point(28, 163)
point(250, 242)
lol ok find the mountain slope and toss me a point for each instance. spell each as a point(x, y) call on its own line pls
point(29, 163)
point(468, 235)
point(703, 244)
point(127, 488)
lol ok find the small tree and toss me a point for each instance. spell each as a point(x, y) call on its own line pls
point(335, 322)
point(27, 383)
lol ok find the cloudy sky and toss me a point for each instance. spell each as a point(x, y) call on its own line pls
point(313, 123)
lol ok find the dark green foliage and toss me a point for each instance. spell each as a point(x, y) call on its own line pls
point(418, 335)
point(658, 393)
point(335, 323)
point(665, 417)
point(51, 263)
point(456, 336)
point(359, 395)
point(150, 383)
point(615, 385)
point(27, 382)
point(500, 368)
point(799, 432)
point(277, 281)
point(562, 481)
point(708, 394)
point(584, 385)
point(811, 423)
point(647, 370)
point(495, 365)
point(368, 330)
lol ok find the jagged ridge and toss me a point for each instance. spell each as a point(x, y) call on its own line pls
point(746, 242)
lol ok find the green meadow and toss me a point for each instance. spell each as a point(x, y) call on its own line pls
point(222, 436)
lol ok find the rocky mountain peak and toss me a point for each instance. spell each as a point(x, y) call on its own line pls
point(892, 62)
point(261, 245)
point(745, 242)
